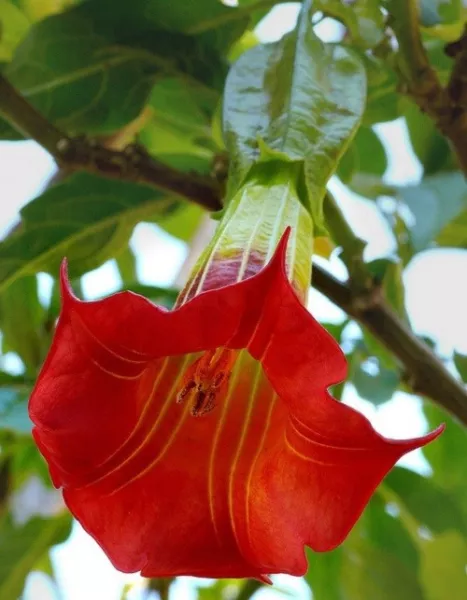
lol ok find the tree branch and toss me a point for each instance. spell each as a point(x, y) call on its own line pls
point(80, 154)
point(426, 374)
point(445, 105)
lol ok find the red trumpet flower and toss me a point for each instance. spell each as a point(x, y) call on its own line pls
point(203, 441)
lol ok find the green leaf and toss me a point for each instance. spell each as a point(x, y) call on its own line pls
point(434, 203)
point(443, 569)
point(294, 100)
point(366, 155)
point(323, 575)
point(378, 561)
point(370, 572)
point(383, 101)
point(88, 219)
point(460, 360)
point(424, 499)
point(363, 18)
point(183, 223)
point(445, 456)
point(373, 382)
point(22, 547)
point(91, 68)
point(21, 320)
point(179, 131)
point(431, 148)
point(13, 26)
point(454, 234)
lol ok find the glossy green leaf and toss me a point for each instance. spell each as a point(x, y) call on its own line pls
point(22, 547)
point(443, 570)
point(294, 100)
point(88, 219)
point(434, 203)
point(363, 18)
point(21, 321)
point(423, 499)
point(91, 68)
point(460, 360)
point(13, 26)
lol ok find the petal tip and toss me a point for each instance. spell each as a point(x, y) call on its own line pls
point(66, 292)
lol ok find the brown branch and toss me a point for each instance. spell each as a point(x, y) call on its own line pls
point(447, 106)
point(80, 154)
point(426, 374)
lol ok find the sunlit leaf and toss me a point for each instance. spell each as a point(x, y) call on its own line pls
point(294, 100)
point(88, 219)
point(13, 26)
point(92, 68)
point(443, 569)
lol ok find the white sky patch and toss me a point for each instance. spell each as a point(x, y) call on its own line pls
point(24, 168)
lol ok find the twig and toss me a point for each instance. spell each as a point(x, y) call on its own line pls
point(426, 374)
point(421, 83)
point(80, 154)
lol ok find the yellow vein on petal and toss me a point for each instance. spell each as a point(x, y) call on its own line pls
point(112, 352)
point(154, 428)
point(147, 405)
point(249, 477)
point(305, 457)
point(170, 440)
point(241, 442)
point(215, 442)
point(116, 375)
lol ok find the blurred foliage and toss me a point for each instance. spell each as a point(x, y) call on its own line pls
point(155, 71)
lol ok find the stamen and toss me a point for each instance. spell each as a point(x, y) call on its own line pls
point(206, 379)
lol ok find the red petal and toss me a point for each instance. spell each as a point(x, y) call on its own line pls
point(238, 492)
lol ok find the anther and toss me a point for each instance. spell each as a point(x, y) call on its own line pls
point(205, 379)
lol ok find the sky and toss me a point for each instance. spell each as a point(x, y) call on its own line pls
point(436, 308)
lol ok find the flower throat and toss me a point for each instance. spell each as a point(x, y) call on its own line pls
point(244, 242)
